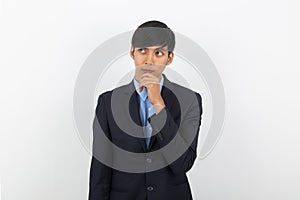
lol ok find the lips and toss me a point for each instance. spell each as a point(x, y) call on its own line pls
point(147, 71)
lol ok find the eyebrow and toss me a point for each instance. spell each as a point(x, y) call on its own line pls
point(159, 48)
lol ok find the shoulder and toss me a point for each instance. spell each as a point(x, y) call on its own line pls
point(106, 95)
point(185, 93)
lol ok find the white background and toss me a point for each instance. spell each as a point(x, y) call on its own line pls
point(254, 45)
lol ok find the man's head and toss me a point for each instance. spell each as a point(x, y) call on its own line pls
point(152, 48)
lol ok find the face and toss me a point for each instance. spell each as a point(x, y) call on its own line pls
point(153, 59)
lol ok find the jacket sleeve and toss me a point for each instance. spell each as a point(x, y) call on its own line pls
point(100, 174)
point(189, 127)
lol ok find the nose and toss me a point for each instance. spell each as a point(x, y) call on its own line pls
point(149, 59)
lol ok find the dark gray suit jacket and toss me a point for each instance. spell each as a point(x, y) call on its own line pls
point(167, 183)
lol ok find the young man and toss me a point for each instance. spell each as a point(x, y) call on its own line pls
point(169, 114)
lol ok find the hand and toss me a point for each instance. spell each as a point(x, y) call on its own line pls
point(151, 82)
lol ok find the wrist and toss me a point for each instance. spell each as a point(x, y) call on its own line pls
point(158, 107)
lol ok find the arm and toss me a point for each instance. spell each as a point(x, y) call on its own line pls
point(100, 174)
point(189, 127)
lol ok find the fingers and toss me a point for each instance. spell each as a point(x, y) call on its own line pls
point(148, 80)
point(148, 75)
point(148, 83)
point(141, 88)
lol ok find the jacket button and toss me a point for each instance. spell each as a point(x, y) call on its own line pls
point(148, 160)
point(149, 188)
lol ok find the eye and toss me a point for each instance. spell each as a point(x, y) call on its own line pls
point(159, 53)
point(142, 50)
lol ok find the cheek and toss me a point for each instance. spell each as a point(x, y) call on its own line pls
point(161, 69)
point(138, 61)
point(164, 60)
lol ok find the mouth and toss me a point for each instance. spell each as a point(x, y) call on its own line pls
point(147, 71)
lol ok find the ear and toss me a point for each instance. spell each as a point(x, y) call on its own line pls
point(170, 58)
point(132, 52)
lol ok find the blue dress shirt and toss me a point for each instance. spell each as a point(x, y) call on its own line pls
point(146, 109)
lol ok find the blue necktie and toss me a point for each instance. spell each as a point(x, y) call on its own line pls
point(147, 126)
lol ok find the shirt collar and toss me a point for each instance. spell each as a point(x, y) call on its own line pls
point(144, 93)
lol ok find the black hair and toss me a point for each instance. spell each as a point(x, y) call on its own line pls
point(153, 33)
